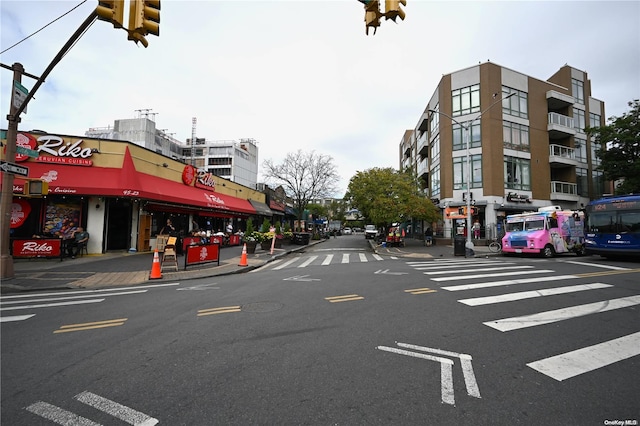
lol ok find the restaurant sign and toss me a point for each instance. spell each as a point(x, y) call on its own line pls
point(198, 178)
point(54, 149)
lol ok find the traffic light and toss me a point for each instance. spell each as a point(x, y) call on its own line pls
point(35, 188)
point(461, 210)
point(111, 11)
point(474, 211)
point(144, 19)
point(372, 15)
point(392, 9)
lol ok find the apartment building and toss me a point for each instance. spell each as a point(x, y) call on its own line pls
point(524, 139)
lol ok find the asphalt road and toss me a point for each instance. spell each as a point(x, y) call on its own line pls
point(335, 336)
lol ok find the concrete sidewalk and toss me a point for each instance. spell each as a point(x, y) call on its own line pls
point(126, 269)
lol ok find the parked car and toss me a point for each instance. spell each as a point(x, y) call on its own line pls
point(346, 231)
point(370, 232)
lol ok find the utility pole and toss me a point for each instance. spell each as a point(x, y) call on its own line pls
point(6, 261)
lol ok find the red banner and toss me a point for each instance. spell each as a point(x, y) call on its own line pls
point(204, 253)
point(37, 247)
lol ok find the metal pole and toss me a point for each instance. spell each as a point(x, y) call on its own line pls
point(6, 261)
point(469, 244)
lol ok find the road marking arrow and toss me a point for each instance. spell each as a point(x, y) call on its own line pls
point(386, 271)
point(446, 368)
point(301, 278)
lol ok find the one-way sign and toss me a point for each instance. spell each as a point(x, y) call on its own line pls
point(14, 169)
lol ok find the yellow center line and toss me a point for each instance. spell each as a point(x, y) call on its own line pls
point(417, 289)
point(603, 273)
point(345, 298)
point(90, 325)
point(423, 291)
point(222, 310)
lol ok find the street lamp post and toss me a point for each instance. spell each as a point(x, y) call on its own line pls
point(467, 140)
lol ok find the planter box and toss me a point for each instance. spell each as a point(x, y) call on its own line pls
point(301, 238)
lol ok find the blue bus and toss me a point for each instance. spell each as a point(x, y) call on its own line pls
point(613, 226)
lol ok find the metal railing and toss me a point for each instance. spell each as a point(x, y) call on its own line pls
point(561, 120)
point(562, 151)
point(559, 187)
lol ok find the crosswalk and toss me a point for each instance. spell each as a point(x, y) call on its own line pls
point(501, 279)
point(322, 259)
point(63, 416)
point(34, 302)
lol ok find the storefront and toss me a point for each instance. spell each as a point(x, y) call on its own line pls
point(121, 193)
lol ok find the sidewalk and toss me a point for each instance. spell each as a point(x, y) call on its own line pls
point(126, 269)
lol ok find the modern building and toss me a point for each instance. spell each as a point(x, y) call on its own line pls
point(236, 161)
point(524, 138)
point(233, 160)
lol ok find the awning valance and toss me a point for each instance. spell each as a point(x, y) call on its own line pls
point(261, 208)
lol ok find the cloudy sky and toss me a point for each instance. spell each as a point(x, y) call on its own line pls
point(302, 74)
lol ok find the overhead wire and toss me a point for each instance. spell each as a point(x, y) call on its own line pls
point(36, 32)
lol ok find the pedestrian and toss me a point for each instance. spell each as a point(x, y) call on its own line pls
point(168, 229)
point(80, 239)
point(476, 230)
point(428, 236)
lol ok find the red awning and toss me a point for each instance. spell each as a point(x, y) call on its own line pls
point(128, 182)
point(155, 188)
point(72, 180)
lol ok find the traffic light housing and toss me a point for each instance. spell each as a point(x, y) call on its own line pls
point(35, 188)
point(461, 210)
point(372, 15)
point(392, 9)
point(111, 11)
point(144, 19)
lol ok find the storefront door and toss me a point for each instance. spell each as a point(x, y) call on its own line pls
point(118, 224)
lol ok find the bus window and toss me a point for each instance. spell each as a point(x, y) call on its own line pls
point(629, 221)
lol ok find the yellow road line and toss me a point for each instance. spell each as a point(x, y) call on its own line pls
point(222, 310)
point(420, 290)
point(90, 325)
point(603, 273)
point(345, 298)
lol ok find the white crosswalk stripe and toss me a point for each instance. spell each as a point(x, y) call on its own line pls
point(559, 366)
point(515, 323)
point(323, 260)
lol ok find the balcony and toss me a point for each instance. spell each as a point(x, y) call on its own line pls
point(564, 191)
point(562, 156)
point(557, 100)
point(560, 126)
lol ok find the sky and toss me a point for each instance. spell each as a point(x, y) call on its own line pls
point(302, 74)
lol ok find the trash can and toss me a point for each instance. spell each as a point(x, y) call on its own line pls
point(301, 238)
point(458, 245)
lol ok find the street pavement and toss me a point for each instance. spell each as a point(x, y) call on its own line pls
point(126, 269)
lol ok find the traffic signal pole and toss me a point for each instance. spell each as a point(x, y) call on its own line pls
point(6, 260)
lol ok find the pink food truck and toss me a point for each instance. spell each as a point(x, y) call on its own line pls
point(547, 232)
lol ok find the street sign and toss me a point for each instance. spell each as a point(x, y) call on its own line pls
point(27, 151)
point(19, 95)
point(14, 169)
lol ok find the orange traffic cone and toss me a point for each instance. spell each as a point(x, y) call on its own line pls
point(156, 271)
point(243, 258)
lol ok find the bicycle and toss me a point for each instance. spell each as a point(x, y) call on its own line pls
point(495, 246)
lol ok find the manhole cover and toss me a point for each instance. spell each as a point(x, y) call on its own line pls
point(261, 307)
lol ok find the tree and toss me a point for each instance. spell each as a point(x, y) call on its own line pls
point(384, 195)
point(619, 149)
point(304, 177)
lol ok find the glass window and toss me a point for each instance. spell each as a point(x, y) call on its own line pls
point(466, 100)
point(594, 120)
point(517, 173)
point(434, 124)
point(581, 150)
point(475, 140)
point(577, 87)
point(516, 136)
point(515, 105)
point(579, 120)
point(460, 172)
point(435, 181)
point(595, 160)
point(598, 183)
point(435, 149)
point(582, 180)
